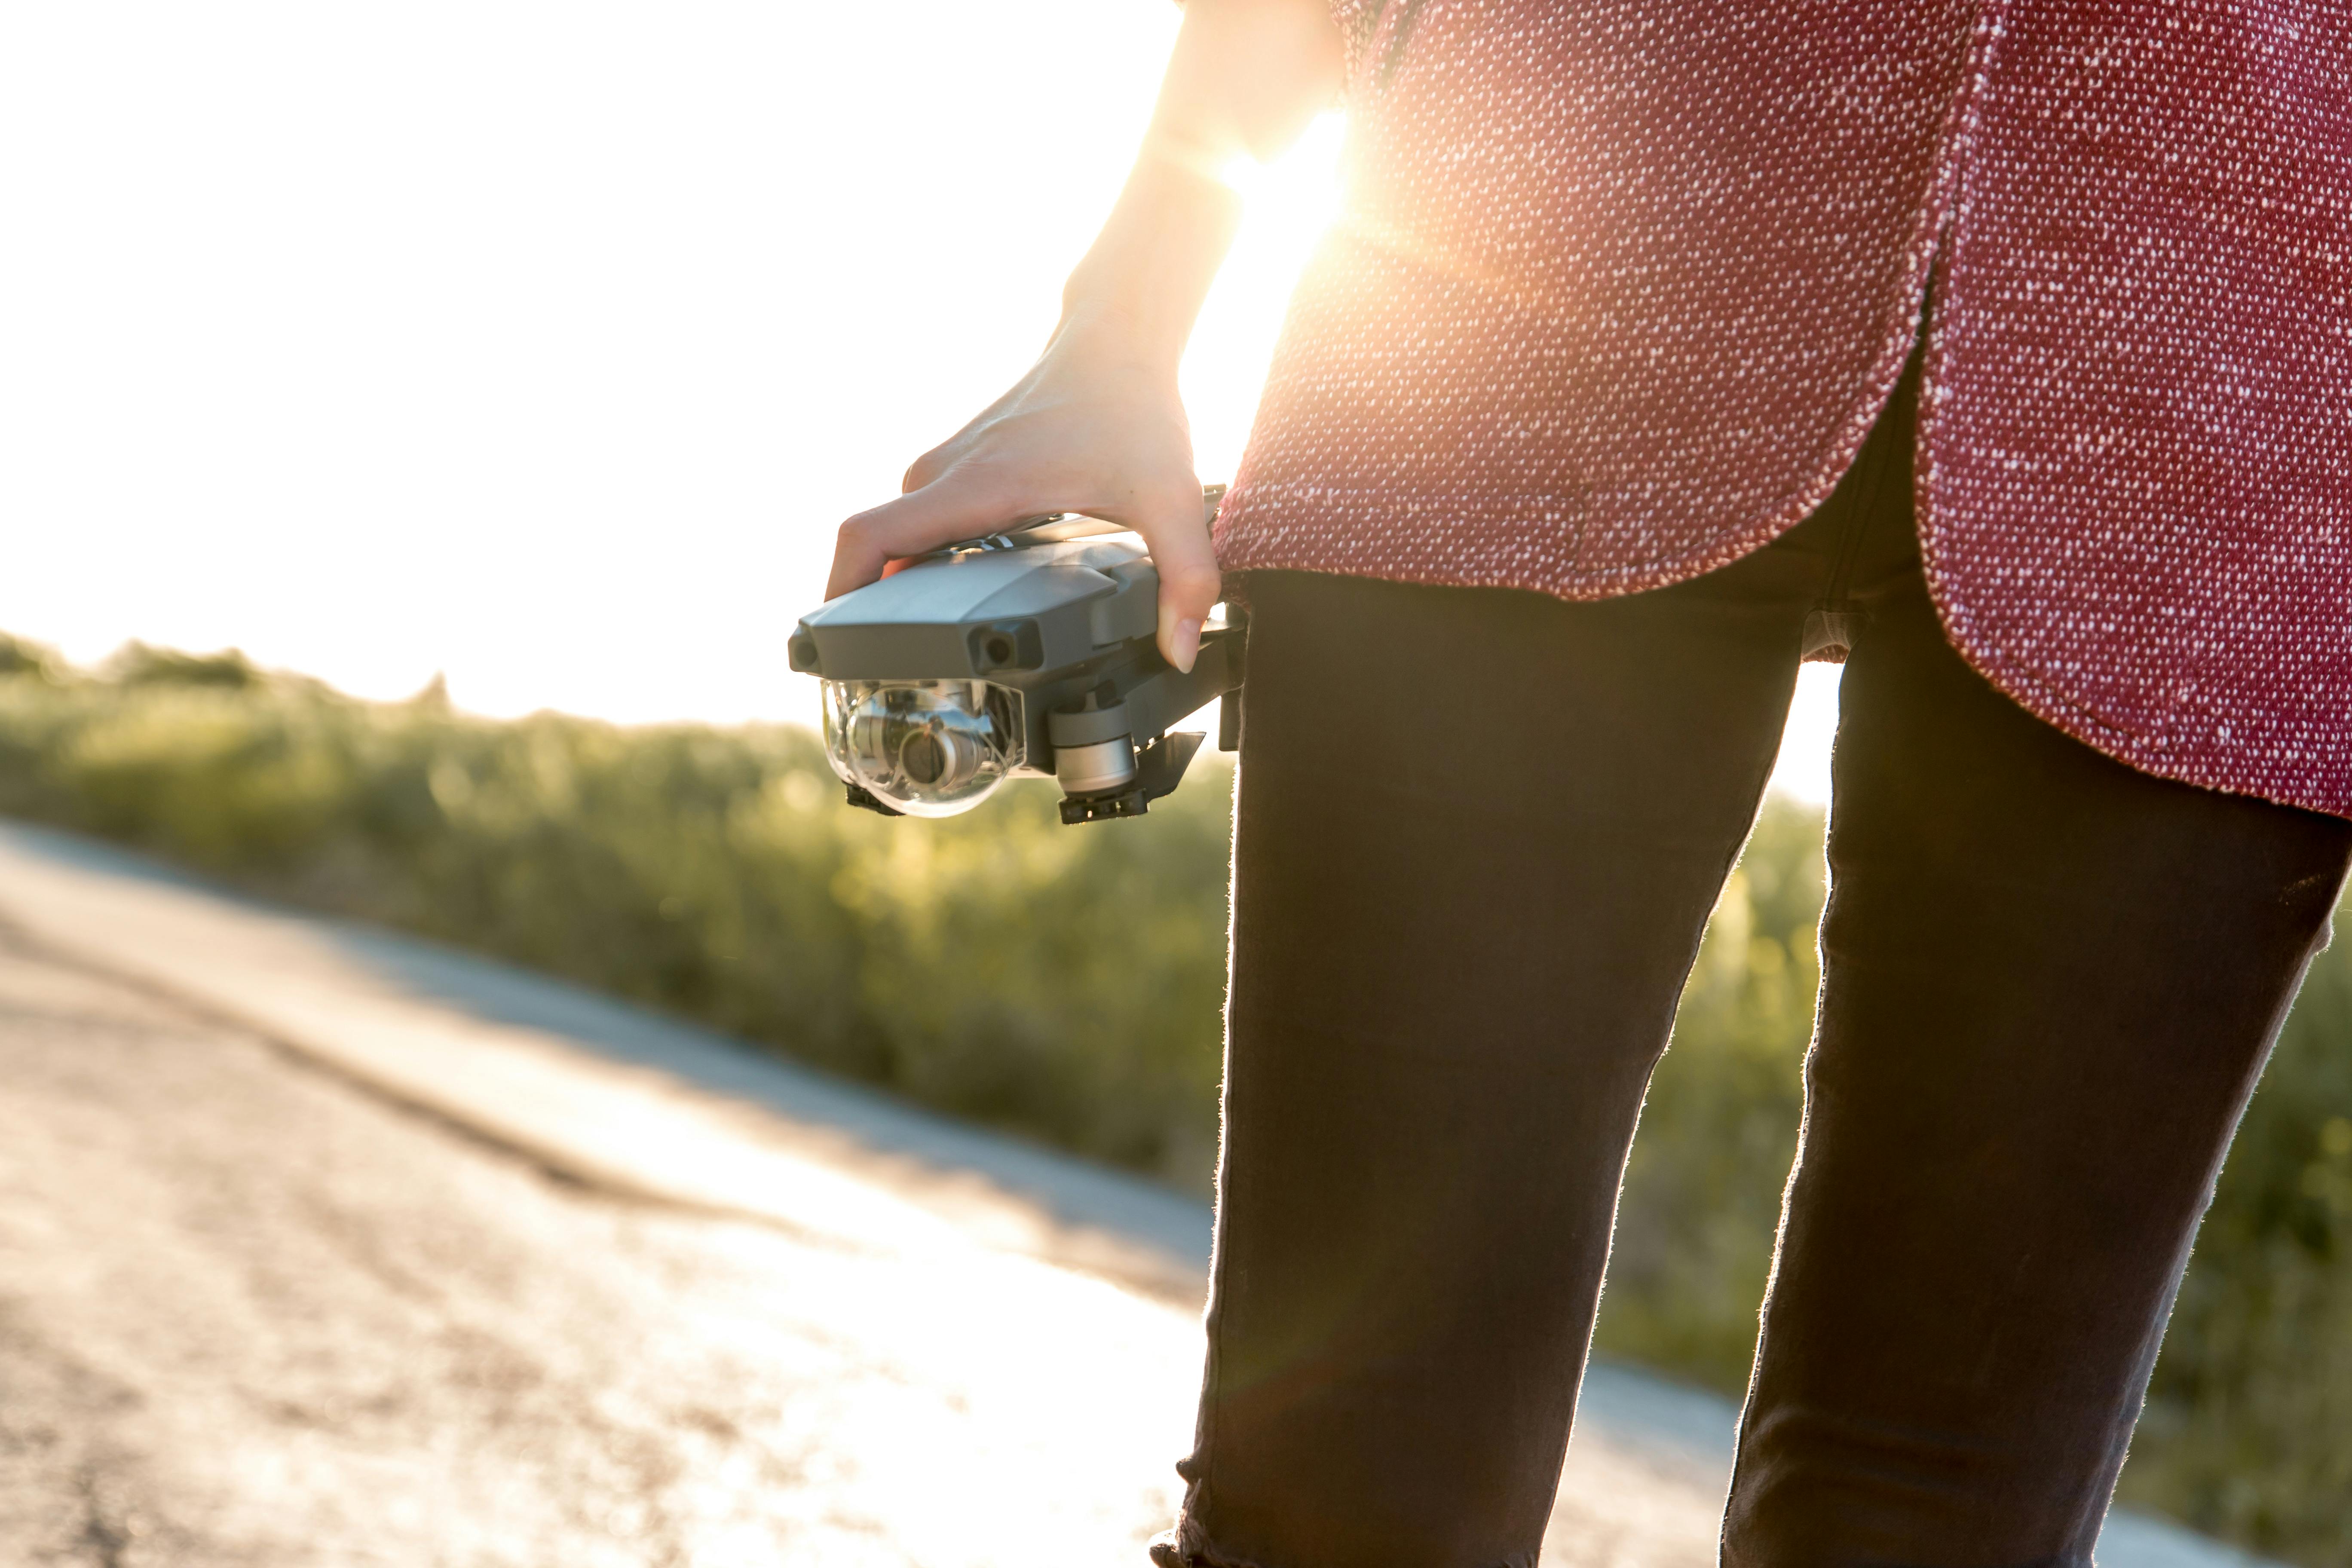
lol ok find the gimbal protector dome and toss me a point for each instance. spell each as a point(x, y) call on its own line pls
point(927, 748)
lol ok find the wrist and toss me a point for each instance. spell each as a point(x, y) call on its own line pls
point(1105, 338)
point(1138, 290)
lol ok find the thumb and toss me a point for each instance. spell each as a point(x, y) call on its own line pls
point(1189, 580)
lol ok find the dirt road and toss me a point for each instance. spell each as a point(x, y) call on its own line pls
point(407, 1261)
point(251, 1314)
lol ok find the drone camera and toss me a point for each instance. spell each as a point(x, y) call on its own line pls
point(1025, 653)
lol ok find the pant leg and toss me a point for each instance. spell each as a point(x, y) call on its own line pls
point(2050, 982)
point(1478, 833)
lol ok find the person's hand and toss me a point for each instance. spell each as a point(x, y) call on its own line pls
point(1094, 427)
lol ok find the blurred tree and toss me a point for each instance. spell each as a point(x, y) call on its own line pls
point(136, 664)
point(18, 657)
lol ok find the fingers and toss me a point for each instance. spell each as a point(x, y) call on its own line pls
point(963, 502)
point(956, 506)
point(1190, 584)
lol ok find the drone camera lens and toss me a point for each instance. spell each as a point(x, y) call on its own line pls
point(925, 748)
point(924, 760)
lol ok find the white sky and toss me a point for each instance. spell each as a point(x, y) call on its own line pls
point(544, 345)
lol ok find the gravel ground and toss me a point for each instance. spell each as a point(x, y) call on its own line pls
point(251, 1313)
point(322, 1245)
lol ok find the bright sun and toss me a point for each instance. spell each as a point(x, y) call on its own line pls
point(538, 343)
point(1291, 203)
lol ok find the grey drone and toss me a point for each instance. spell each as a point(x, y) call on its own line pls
point(1027, 653)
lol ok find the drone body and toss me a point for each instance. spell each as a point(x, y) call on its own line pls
point(1027, 653)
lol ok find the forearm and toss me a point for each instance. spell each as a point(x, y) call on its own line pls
point(1246, 77)
point(1096, 425)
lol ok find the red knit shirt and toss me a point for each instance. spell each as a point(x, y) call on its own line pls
point(1620, 286)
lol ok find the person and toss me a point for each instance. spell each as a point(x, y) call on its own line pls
point(1999, 349)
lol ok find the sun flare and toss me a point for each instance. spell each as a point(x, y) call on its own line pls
point(1289, 203)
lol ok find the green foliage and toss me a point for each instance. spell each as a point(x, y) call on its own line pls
point(139, 665)
point(1702, 1197)
point(18, 657)
point(1066, 983)
point(2248, 1430)
point(1060, 982)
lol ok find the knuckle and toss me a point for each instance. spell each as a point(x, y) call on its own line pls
point(1193, 582)
point(924, 470)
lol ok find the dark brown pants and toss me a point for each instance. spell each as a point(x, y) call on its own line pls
point(1480, 834)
